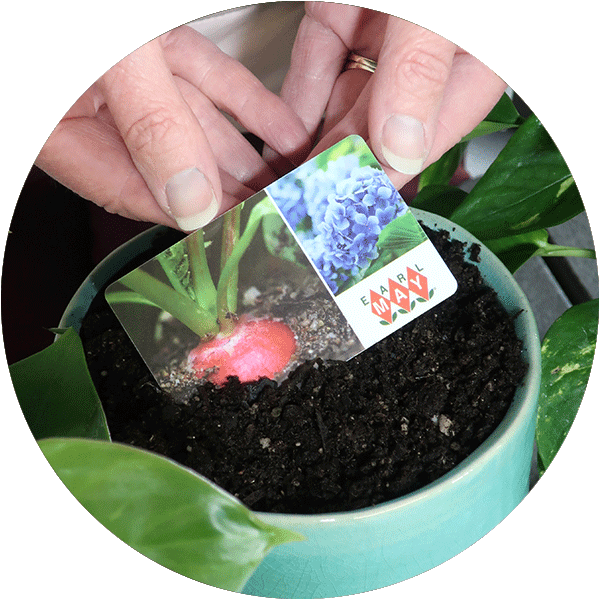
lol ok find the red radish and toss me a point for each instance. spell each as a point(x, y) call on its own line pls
point(255, 349)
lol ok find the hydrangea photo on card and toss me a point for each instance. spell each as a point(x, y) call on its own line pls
point(361, 238)
point(339, 205)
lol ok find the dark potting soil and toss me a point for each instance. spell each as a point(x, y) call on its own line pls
point(334, 436)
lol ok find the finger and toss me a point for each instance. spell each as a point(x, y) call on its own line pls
point(234, 192)
point(471, 92)
point(232, 151)
point(164, 139)
point(89, 157)
point(318, 57)
point(353, 122)
point(236, 91)
point(345, 94)
point(409, 85)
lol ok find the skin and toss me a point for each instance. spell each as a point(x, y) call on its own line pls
point(157, 113)
point(418, 74)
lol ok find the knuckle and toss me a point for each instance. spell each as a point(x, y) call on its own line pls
point(156, 131)
point(422, 68)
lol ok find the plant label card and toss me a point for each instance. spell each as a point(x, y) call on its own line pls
point(363, 241)
point(325, 262)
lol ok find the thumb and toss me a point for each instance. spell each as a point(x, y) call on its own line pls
point(163, 137)
point(408, 87)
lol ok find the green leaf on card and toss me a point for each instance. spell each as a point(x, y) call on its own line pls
point(401, 235)
point(279, 240)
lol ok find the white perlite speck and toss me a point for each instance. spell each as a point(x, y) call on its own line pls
point(445, 423)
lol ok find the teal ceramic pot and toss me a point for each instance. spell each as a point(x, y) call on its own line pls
point(353, 552)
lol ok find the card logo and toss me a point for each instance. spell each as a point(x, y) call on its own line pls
point(400, 297)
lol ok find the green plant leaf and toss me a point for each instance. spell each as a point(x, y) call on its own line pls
point(176, 265)
point(503, 116)
point(441, 200)
point(180, 305)
point(200, 285)
point(230, 237)
point(167, 513)
point(516, 250)
point(528, 183)
point(56, 393)
point(567, 354)
point(402, 234)
point(442, 170)
point(128, 297)
point(278, 239)
point(565, 210)
point(229, 270)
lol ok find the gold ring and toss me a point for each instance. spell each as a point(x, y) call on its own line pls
point(356, 61)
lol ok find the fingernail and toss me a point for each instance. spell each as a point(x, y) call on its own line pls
point(192, 202)
point(403, 144)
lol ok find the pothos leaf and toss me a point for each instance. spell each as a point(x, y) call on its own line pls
point(515, 250)
point(442, 170)
point(567, 354)
point(167, 513)
point(528, 182)
point(56, 393)
point(503, 116)
point(441, 200)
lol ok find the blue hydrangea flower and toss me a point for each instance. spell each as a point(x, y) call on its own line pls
point(290, 193)
point(348, 206)
point(362, 205)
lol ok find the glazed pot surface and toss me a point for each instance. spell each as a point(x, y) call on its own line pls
point(352, 552)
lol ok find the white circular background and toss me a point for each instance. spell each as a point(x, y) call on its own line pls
point(52, 51)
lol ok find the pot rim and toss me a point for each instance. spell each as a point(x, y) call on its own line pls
point(520, 411)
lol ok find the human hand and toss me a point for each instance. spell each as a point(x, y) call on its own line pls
point(424, 96)
point(148, 140)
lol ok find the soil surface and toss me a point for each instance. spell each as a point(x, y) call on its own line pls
point(335, 435)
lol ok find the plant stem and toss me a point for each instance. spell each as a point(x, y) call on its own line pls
point(231, 236)
point(230, 270)
point(202, 283)
point(554, 250)
point(199, 320)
